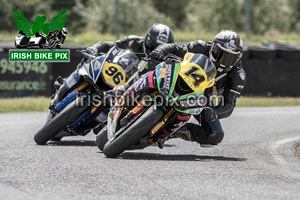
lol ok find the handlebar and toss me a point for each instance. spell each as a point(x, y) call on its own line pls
point(84, 52)
point(173, 57)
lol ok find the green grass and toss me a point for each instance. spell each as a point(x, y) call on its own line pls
point(267, 101)
point(24, 104)
point(42, 103)
point(91, 37)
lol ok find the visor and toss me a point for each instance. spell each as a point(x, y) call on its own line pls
point(224, 58)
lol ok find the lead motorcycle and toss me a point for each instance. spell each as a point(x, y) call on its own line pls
point(157, 105)
point(81, 102)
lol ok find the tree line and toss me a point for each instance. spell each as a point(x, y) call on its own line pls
point(136, 16)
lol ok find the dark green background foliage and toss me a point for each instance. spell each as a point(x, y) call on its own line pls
point(137, 15)
point(175, 9)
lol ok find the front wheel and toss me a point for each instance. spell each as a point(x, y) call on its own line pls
point(59, 122)
point(134, 132)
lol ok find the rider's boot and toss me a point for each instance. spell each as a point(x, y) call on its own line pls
point(193, 132)
point(58, 82)
point(183, 133)
point(101, 120)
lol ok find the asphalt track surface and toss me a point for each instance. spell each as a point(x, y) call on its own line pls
point(256, 160)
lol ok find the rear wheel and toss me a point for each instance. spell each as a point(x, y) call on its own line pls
point(134, 132)
point(59, 122)
point(101, 138)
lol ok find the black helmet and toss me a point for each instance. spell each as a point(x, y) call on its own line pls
point(156, 35)
point(226, 50)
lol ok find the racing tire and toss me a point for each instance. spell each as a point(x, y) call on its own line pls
point(131, 135)
point(59, 122)
point(101, 138)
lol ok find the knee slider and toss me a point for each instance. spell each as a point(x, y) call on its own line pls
point(216, 138)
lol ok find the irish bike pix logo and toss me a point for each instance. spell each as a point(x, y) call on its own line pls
point(40, 41)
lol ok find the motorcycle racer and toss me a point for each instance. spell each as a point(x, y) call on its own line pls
point(225, 52)
point(141, 46)
point(156, 35)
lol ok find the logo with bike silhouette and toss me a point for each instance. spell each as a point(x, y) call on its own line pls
point(47, 35)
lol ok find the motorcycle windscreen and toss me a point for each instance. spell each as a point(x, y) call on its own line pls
point(119, 65)
point(198, 72)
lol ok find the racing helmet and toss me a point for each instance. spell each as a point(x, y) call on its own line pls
point(196, 74)
point(64, 31)
point(156, 35)
point(226, 50)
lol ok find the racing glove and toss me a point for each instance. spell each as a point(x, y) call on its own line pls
point(92, 50)
point(119, 90)
point(208, 114)
point(157, 55)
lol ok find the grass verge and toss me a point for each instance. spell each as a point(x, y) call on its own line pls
point(267, 101)
point(24, 104)
point(42, 103)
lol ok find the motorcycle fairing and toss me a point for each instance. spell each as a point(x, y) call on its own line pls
point(166, 77)
point(118, 65)
point(97, 65)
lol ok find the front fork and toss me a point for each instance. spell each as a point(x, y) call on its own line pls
point(57, 107)
point(90, 111)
